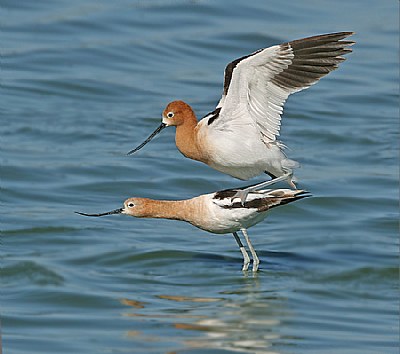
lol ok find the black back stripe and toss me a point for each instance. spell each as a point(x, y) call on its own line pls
point(214, 115)
point(260, 204)
point(227, 193)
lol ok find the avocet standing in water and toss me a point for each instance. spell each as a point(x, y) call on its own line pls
point(239, 137)
point(218, 212)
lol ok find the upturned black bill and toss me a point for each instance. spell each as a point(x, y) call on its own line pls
point(161, 127)
point(116, 211)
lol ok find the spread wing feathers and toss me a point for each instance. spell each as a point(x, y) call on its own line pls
point(259, 200)
point(256, 86)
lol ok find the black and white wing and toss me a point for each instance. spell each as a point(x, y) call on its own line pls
point(256, 86)
point(260, 201)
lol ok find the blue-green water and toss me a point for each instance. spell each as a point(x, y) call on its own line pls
point(83, 82)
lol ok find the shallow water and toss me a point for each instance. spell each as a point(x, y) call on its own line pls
point(83, 82)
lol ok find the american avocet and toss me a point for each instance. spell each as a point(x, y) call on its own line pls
point(239, 137)
point(216, 212)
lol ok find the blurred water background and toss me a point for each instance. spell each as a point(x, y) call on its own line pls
point(83, 82)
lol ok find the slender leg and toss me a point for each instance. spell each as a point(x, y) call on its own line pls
point(246, 258)
point(256, 260)
point(242, 194)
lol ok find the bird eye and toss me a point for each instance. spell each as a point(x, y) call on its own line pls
point(131, 205)
point(170, 114)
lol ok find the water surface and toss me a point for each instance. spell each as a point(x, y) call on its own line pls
point(83, 82)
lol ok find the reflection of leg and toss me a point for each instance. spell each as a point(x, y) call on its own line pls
point(242, 194)
point(256, 261)
point(246, 258)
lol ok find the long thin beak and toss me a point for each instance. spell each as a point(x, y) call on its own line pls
point(161, 127)
point(116, 211)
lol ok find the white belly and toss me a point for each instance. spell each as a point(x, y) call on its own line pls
point(245, 161)
point(240, 152)
point(213, 218)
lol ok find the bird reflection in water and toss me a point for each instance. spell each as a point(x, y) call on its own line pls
point(229, 321)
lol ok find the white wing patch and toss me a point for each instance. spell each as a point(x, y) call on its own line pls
point(265, 100)
point(252, 97)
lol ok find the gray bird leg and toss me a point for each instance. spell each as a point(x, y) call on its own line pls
point(242, 194)
point(256, 260)
point(246, 258)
